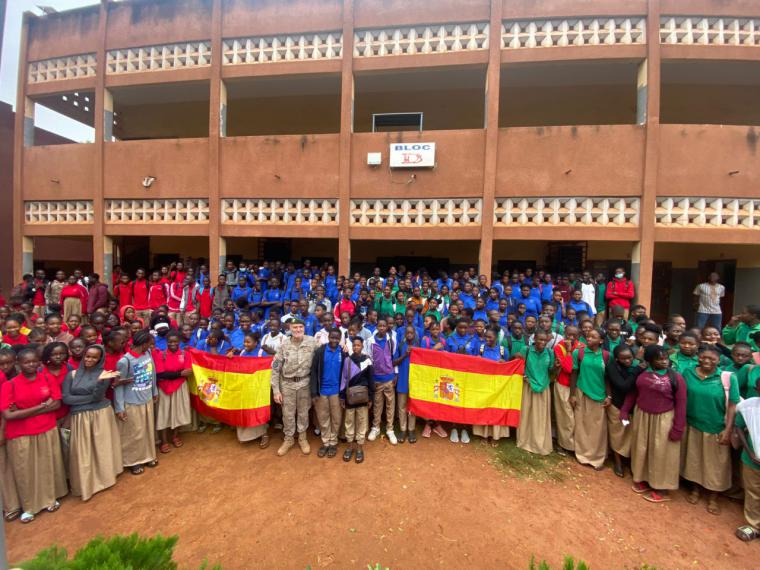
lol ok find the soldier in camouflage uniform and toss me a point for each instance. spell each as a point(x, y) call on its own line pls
point(291, 371)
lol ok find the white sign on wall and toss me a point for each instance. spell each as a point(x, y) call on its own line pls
point(412, 155)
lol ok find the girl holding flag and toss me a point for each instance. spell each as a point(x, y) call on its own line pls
point(492, 350)
point(406, 420)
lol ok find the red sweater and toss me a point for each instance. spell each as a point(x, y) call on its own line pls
point(653, 393)
point(140, 290)
point(620, 293)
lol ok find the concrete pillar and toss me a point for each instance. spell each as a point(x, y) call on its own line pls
point(217, 128)
point(493, 78)
point(28, 122)
point(107, 116)
point(27, 255)
point(642, 93)
point(108, 261)
point(346, 133)
point(222, 255)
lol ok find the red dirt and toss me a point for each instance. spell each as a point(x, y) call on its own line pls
point(431, 505)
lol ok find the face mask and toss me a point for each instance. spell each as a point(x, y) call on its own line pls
point(619, 275)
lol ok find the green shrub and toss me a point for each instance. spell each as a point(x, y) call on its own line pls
point(568, 564)
point(116, 553)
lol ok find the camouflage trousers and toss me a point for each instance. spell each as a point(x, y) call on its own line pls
point(296, 401)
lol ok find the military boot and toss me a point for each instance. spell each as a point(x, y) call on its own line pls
point(286, 445)
point(303, 443)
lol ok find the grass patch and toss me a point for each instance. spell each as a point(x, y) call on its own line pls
point(527, 465)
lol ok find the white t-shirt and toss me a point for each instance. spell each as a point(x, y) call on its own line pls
point(709, 297)
point(588, 293)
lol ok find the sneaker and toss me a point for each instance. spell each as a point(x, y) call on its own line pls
point(454, 437)
point(427, 430)
point(392, 437)
point(373, 433)
point(465, 436)
point(439, 431)
point(317, 432)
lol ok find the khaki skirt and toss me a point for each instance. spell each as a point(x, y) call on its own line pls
point(138, 435)
point(564, 416)
point(590, 432)
point(94, 452)
point(620, 436)
point(655, 459)
point(71, 306)
point(704, 461)
point(494, 432)
point(251, 433)
point(174, 409)
point(8, 490)
point(535, 431)
point(38, 469)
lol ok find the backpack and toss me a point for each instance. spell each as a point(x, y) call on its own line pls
point(582, 352)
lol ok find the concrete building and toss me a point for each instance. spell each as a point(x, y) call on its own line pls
point(567, 134)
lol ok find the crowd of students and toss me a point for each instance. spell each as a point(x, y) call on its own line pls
point(94, 378)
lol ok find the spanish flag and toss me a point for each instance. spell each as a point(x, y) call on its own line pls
point(465, 389)
point(235, 391)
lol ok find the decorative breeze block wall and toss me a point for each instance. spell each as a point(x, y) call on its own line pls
point(701, 30)
point(58, 212)
point(177, 211)
point(692, 212)
point(591, 212)
point(421, 39)
point(519, 34)
point(70, 67)
point(160, 57)
point(455, 212)
point(268, 49)
point(278, 211)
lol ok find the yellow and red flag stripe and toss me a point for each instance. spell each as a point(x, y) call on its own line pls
point(234, 391)
point(465, 389)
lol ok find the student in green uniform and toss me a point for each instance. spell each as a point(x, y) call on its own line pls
point(740, 364)
point(535, 431)
point(705, 455)
point(686, 356)
point(750, 471)
point(673, 332)
point(515, 342)
point(612, 338)
point(586, 326)
point(589, 398)
point(743, 326)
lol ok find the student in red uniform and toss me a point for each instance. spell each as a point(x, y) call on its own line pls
point(13, 334)
point(141, 295)
point(123, 291)
point(28, 404)
point(76, 350)
point(11, 501)
point(172, 370)
point(564, 414)
point(204, 297)
point(55, 368)
point(158, 294)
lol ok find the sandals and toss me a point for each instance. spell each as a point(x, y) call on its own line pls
point(693, 496)
point(427, 431)
point(264, 443)
point(619, 471)
point(640, 488)
point(12, 516)
point(332, 451)
point(655, 497)
point(177, 442)
point(360, 455)
point(164, 448)
point(217, 428)
point(348, 454)
point(26, 518)
point(412, 436)
point(712, 506)
point(137, 470)
point(54, 507)
point(152, 464)
point(746, 533)
point(201, 428)
point(323, 451)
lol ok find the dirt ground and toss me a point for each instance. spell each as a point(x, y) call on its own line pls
point(428, 505)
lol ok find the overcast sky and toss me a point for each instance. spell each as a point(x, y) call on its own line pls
point(44, 118)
